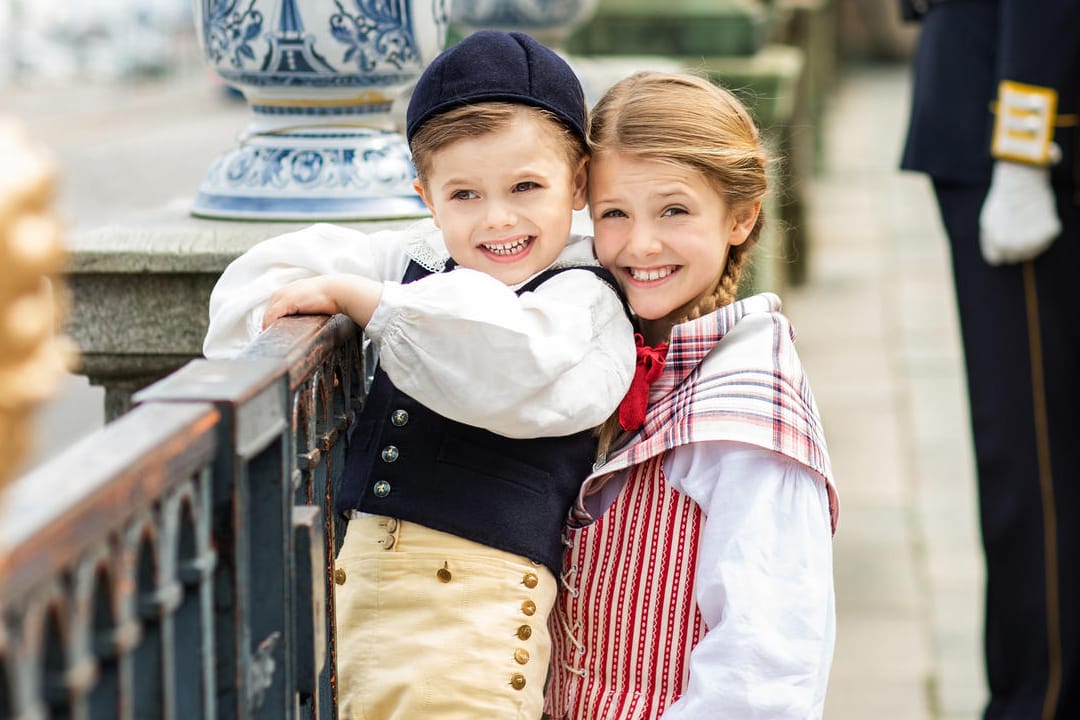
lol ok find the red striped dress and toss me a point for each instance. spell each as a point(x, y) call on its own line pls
point(623, 631)
point(621, 647)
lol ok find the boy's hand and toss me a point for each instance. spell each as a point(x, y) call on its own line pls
point(355, 296)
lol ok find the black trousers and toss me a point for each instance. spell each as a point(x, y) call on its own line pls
point(1020, 326)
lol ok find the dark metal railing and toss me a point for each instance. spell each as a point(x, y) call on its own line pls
point(179, 562)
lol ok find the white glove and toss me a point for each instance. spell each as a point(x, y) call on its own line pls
point(1019, 216)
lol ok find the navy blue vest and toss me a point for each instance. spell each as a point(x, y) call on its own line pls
point(408, 462)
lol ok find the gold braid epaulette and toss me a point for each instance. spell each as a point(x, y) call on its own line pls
point(1025, 117)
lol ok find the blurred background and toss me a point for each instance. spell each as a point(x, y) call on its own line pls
point(104, 41)
point(91, 81)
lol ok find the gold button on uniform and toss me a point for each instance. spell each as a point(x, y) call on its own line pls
point(339, 576)
point(389, 454)
point(517, 681)
point(530, 580)
point(521, 655)
point(524, 632)
point(381, 489)
point(399, 418)
point(528, 607)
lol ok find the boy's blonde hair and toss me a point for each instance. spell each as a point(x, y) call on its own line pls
point(691, 123)
point(694, 125)
point(478, 119)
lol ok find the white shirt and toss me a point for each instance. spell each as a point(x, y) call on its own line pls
point(764, 584)
point(763, 579)
point(550, 362)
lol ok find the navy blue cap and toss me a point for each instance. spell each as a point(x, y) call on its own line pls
point(491, 65)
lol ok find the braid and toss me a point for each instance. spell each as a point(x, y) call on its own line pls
point(727, 288)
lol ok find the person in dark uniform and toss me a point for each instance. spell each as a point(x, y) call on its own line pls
point(993, 123)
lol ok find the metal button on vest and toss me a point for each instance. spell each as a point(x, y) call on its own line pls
point(521, 656)
point(391, 524)
point(381, 489)
point(517, 681)
point(530, 580)
point(399, 418)
point(524, 632)
point(339, 576)
point(387, 542)
point(443, 574)
point(528, 607)
point(389, 454)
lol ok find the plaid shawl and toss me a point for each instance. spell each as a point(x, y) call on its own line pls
point(730, 375)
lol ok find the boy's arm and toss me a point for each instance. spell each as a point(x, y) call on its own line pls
point(550, 362)
point(242, 293)
point(763, 584)
point(353, 295)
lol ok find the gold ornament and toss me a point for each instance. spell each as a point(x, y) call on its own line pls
point(33, 357)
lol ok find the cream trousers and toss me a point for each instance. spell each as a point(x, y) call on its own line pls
point(430, 625)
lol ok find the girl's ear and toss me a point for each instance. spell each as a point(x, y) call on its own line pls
point(580, 184)
point(419, 188)
point(744, 218)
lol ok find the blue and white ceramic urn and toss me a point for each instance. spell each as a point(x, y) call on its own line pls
point(549, 21)
point(320, 77)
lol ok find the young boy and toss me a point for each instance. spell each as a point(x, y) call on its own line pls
point(475, 435)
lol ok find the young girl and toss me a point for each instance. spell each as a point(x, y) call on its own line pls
point(476, 432)
point(701, 583)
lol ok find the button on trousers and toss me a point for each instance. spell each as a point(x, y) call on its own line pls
point(430, 625)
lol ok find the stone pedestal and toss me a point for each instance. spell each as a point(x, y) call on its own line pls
point(674, 27)
point(811, 26)
point(141, 288)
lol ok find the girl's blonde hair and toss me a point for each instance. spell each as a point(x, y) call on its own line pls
point(691, 123)
point(695, 125)
point(478, 119)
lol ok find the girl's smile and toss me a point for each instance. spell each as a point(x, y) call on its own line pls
point(645, 276)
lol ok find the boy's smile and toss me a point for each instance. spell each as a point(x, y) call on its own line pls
point(508, 250)
point(504, 199)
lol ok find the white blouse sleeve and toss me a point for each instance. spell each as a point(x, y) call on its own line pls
point(239, 298)
point(553, 361)
point(764, 585)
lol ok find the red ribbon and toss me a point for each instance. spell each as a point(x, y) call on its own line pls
point(650, 364)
